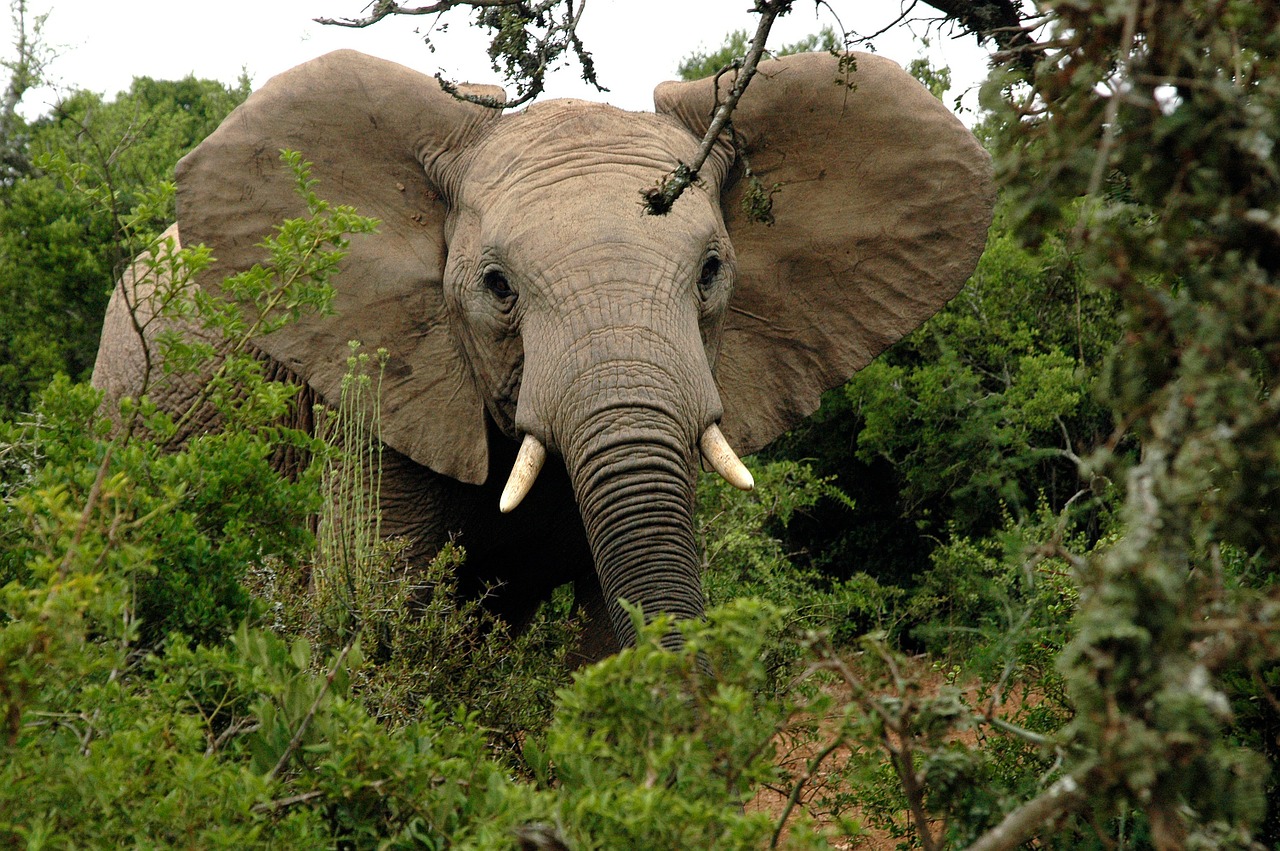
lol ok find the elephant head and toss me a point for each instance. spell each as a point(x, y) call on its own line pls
point(519, 286)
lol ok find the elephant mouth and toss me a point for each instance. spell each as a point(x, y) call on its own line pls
point(715, 449)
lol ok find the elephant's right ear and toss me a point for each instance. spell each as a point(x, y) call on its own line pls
point(379, 137)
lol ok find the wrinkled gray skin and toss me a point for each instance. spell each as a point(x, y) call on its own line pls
point(619, 333)
point(582, 322)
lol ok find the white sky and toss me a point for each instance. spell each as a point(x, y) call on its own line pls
point(102, 45)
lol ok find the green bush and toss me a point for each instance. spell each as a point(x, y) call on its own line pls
point(60, 248)
point(982, 413)
point(194, 520)
point(661, 749)
point(745, 555)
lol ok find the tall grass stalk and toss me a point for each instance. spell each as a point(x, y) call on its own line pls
point(350, 527)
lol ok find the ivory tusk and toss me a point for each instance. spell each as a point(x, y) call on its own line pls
point(723, 459)
point(524, 472)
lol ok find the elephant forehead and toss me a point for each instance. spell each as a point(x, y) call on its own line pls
point(551, 144)
point(567, 176)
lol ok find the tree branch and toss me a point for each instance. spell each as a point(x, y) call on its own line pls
point(1024, 823)
point(811, 770)
point(283, 803)
point(658, 200)
point(1000, 21)
point(529, 38)
point(384, 8)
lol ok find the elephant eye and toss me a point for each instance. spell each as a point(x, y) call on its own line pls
point(499, 287)
point(710, 272)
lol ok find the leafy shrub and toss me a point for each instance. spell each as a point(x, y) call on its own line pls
point(1004, 599)
point(60, 248)
point(653, 748)
point(744, 554)
point(982, 413)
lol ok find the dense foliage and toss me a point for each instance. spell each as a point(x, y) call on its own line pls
point(981, 415)
point(60, 250)
point(1179, 161)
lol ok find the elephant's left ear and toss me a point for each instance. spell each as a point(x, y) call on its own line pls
point(881, 204)
point(382, 138)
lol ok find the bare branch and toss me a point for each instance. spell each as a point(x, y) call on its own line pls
point(658, 200)
point(1024, 823)
point(850, 40)
point(384, 8)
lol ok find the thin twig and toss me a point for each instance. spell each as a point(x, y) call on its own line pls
point(311, 713)
point(280, 804)
point(811, 768)
point(867, 39)
point(244, 725)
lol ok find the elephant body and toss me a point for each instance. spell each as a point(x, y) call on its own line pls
point(533, 311)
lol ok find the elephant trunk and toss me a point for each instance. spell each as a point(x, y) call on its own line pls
point(635, 488)
point(629, 424)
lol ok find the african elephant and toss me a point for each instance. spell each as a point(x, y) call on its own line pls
point(532, 309)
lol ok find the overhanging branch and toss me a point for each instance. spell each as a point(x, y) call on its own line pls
point(658, 201)
point(529, 38)
point(383, 9)
point(1000, 21)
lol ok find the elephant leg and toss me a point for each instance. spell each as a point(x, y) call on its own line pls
point(423, 507)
